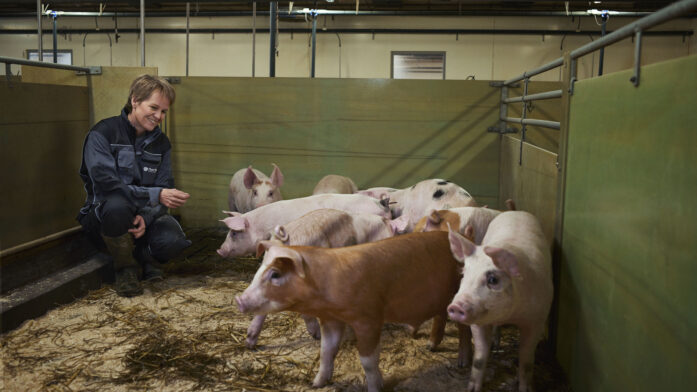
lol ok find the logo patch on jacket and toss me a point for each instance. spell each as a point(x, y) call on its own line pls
point(149, 169)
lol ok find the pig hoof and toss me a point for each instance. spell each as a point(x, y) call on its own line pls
point(471, 387)
point(319, 382)
point(251, 343)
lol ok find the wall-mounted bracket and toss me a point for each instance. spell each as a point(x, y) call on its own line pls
point(93, 70)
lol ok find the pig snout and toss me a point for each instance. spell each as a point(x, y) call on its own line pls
point(222, 253)
point(241, 304)
point(460, 312)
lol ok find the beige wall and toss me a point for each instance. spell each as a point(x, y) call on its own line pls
point(486, 57)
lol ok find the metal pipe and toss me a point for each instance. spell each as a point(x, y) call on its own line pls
point(165, 14)
point(637, 58)
point(39, 30)
point(11, 60)
point(662, 33)
point(55, 38)
point(535, 97)
point(670, 12)
point(532, 121)
point(254, 36)
point(602, 50)
point(187, 38)
point(535, 71)
point(39, 241)
point(272, 38)
point(142, 33)
point(314, 44)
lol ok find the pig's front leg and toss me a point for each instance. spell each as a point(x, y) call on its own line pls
point(254, 330)
point(464, 352)
point(529, 336)
point(368, 343)
point(312, 325)
point(331, 338)
point(482, 346)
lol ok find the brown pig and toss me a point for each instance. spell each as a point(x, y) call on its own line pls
point(406, 279)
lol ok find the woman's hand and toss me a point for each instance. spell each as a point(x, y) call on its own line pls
point(173, 198)
point(139, 228)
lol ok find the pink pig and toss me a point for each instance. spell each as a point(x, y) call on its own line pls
point(428, 195)
point(246, 230)
point(327, 228)
point(404, 279)
point(333, 183)
point(506, 280)
point(250, 188)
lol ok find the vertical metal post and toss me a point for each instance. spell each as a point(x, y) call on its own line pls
point(314, 43)
point(524, 126)
point(273, 12)
point(254, 36)
point(39, 30)
point(187, 37)
point(602, 50)
point(637, 58)
point(55, 37)
point(142, 33)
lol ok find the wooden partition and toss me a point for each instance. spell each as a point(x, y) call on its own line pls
point(627, 293)
point(377, 132)
point(531, 181)
point(42, 129)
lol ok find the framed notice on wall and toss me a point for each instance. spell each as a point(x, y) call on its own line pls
point(65, 56)
point(418, 65)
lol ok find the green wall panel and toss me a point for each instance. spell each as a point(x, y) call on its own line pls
point(377, 132)
point(42, 129)
point(628, 280)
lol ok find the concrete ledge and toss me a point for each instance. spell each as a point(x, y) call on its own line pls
point(62, 287)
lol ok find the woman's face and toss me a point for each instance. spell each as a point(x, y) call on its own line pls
point(148, 114)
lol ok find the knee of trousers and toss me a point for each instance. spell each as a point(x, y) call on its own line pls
point(116, 215)
point(166, 238)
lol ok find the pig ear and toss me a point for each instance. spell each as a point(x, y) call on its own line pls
point(250, 178)
point(262, 247)
point(231, 213)
point(276, 176)
point(460, 246)
point(236, 223)
point(281, 233)
point(504, 260)
point(399, 225)
point(469, 232)
point(510, 204)
point(292, 255)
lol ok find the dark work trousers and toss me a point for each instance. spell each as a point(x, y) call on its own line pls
point(163, 240)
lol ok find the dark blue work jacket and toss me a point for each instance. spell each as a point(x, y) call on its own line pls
point(114, 161)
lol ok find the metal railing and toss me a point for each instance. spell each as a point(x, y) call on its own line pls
point(670, 12)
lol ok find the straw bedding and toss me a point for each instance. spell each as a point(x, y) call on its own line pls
point(185, 333)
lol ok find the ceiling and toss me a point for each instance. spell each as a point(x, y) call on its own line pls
point(378, 7)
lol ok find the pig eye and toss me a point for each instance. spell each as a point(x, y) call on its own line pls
point(492, 281)
point(275, 275)
point(254, 192)
point(270, 193)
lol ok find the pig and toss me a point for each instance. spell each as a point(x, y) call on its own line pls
point(333, 183)
point(472, 222)
point(506, 280)
point(327, 228)
point(246, 230)
point(250, 188)
point(427, 195)
point(404, 279)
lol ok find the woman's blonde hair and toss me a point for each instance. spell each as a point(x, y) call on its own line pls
point(144, 85)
